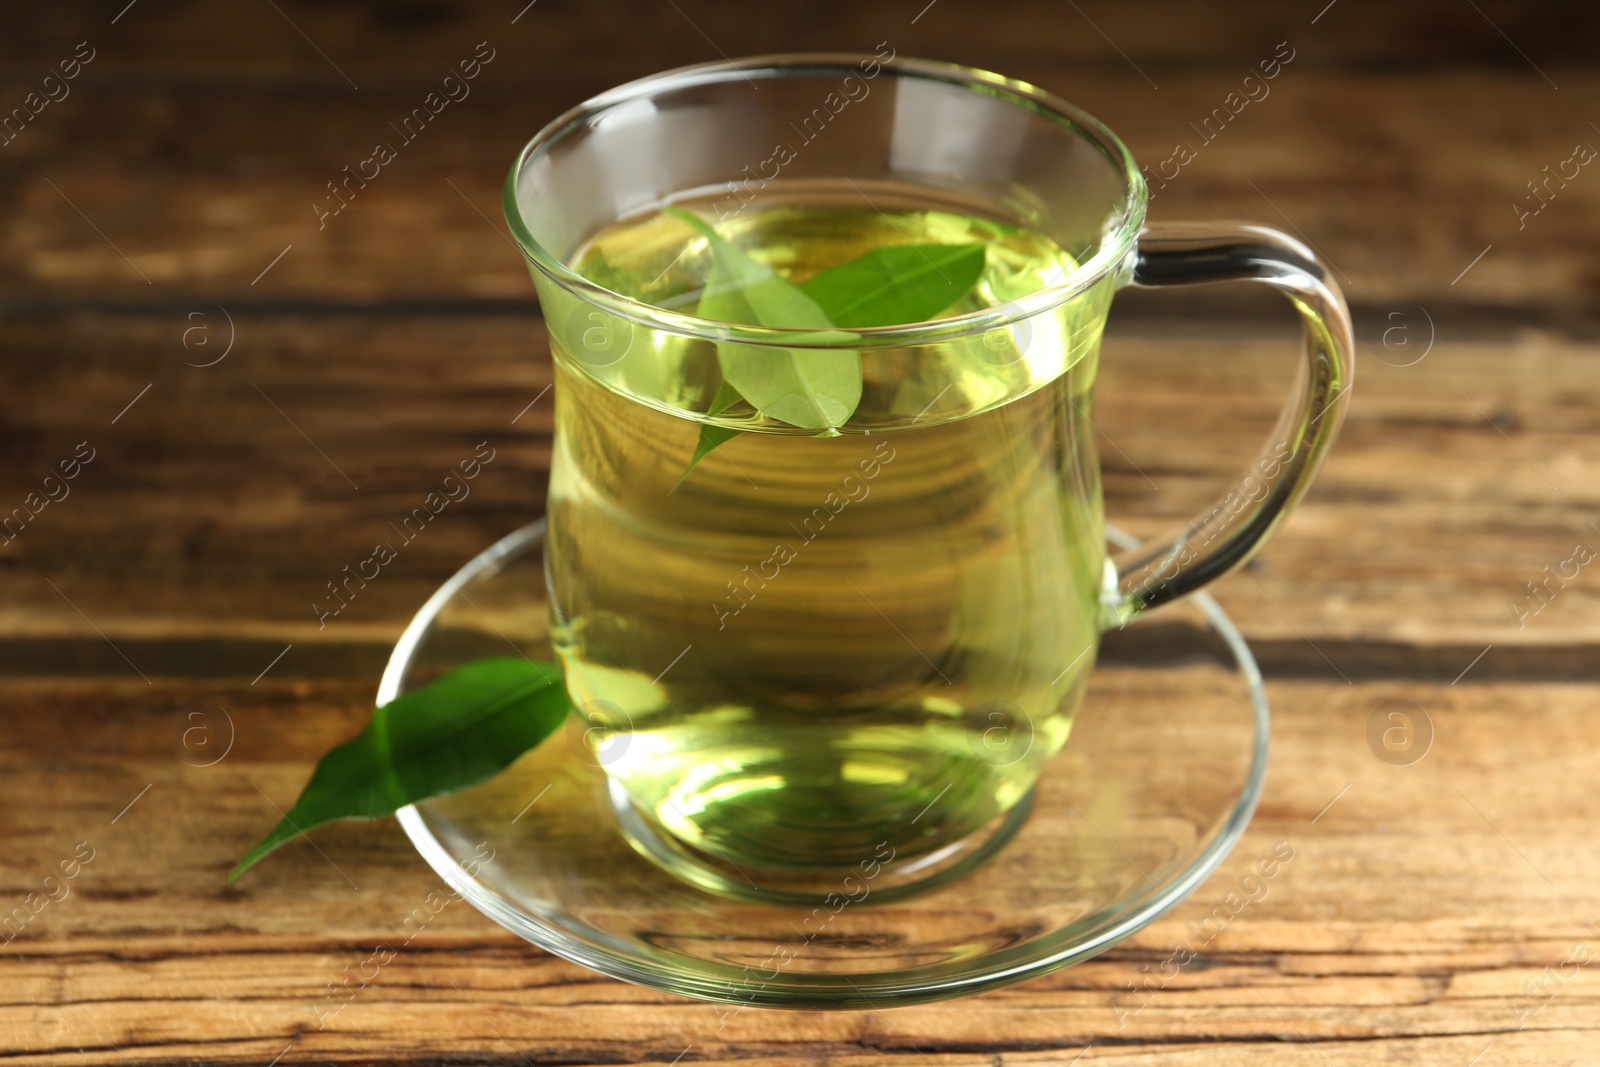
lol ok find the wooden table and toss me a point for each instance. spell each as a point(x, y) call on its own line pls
point(260, 396)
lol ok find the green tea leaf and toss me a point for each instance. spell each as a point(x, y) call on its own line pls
point(711, 436)
point(461, 730)
point(897, 284)
point(815, 389)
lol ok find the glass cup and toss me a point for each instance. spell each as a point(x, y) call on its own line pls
point(846, 641)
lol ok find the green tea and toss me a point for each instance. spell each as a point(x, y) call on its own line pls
point(821, 647)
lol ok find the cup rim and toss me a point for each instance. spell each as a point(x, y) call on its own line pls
point(1113, 250)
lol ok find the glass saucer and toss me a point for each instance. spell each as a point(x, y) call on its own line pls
point(1153, 789)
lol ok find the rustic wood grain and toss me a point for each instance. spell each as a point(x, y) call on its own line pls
point(1423, 901)
point(1428, 521)
point(1399, 153)
point(1413, 910)
point(209, 211)
point(187, 40)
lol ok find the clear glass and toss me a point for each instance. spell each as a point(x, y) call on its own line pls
point(1165, 766)
point(862, 630)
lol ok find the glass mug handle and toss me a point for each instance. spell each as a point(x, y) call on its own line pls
point(1228, 534)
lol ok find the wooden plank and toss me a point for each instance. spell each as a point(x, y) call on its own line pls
point(1382, 935)
point(189, 40)
point(1333, 157)
point(1423, 530)
point(203, 485)
point(1439, 504)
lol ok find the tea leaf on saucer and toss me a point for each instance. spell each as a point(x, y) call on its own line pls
point(897, 284)
point(463, 729)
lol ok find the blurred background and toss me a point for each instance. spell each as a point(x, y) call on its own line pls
point(249, 387)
